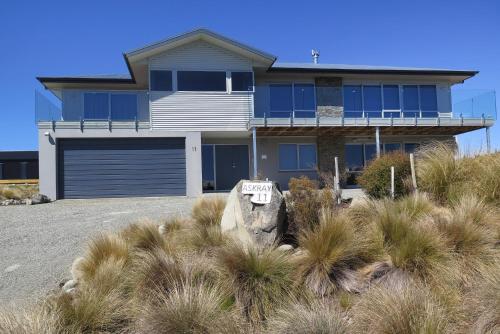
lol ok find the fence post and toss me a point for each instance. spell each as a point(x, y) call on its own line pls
point(337, 180)
point(413, 174)
point(392, 182)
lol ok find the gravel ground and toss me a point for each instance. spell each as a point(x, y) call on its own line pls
point(38, 243)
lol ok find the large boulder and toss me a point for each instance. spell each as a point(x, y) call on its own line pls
point(260, 224)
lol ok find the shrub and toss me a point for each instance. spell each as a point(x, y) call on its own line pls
point(308, 318)
point(399, 307)
point(261, 279)
point(208, 211)
point(332, 250)
point(304, 203)
point(376, 178)
point(187, 308)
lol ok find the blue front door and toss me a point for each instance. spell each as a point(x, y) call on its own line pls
point(231, 165)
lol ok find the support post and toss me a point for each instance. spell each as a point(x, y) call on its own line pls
point(377, 140)
point(392, 182)
point(488, 140)
point(254, 151)
point(413, 174)
point(337, 181)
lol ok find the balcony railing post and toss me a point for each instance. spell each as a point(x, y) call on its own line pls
point(81, 124)
point(136, 124)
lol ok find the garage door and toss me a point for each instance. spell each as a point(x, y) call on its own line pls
point(121, 167)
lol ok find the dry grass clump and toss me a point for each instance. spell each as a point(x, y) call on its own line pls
point(39, 318)
point(187, 308)
point(399, 306)
point(144, 236)
point(103, 248)
point(261, 279)
point(448, 177)
point(304, 203)
point(333, 250)
point(208, 211)
point(19, 191)
point(314, 317)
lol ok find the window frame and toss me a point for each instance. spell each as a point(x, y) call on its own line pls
point(225, 91)
point(297, 148)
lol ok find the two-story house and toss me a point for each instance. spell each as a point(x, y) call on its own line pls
point(199, 111)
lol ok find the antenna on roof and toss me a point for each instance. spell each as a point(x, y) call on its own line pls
point(315, 55)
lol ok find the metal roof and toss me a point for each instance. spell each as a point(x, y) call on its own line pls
point(365, 69)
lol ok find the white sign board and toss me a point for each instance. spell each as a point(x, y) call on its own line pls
point(260, 191)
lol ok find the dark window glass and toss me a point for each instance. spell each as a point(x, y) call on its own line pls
point(200, 81)
point(304, 97)
point(307, 156)
point(123, 106)
point(96, 105)
point(391, 97)
point(281, 97)
point(241, 81)
point(161, 80)
point(410, 97)
point(207, 167)
point(352, 98)
point(428, 98)
point(372, 98)
point(392, 147)
point(288, 156)
point(370, 152)
point(411, 147)
point(354, 160)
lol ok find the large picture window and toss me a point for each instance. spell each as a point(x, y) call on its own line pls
point(161, 80)
point(297, 157)
point(96, 106)
point(241, 81)
point(123, 106)
point(372, 101)
point(201, 81)
point(281, 100)
point(297, 98)
point(353, 102)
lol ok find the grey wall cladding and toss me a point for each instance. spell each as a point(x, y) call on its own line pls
point(91, 168)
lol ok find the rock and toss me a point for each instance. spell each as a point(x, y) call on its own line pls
point(285, 248)
point(71, 284)
point(260, 224)
point(39, 199)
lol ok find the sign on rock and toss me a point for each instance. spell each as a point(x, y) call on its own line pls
point(260, 191)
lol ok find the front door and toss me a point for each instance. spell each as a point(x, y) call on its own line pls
point(231, 165)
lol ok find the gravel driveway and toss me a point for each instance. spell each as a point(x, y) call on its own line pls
point(38, 243)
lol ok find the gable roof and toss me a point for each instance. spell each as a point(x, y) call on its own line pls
point(197, 34)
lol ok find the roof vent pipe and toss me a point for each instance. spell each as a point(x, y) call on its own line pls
point(315, 55)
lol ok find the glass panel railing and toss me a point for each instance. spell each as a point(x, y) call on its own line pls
point(102, 106)
point(474, 103)
point(281, 104)
point(45, 109)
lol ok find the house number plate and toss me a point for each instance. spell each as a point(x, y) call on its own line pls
point(260, 191)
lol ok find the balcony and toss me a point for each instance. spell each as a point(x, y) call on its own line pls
point(297, 108)
point(93, 110)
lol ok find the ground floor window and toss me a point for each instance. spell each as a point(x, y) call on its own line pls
point(293, 157)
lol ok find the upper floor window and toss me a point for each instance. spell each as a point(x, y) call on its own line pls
point(297, 157)
point(418, 99)
point(96, 105)
point(161, 80)
point(353, 101)
point(372, 101)
point(287, 98)
point(201, 81)
point(241, 81)
point(115, 106)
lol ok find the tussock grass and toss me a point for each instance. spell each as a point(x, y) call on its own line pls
point(261, 279)
point(103, 248)
point(187, 308)
point(208, 211)
point(332, 252)
point(144, 236)
point(18, 191)
point(313, 317)
point(399, 306)
point(39, 318)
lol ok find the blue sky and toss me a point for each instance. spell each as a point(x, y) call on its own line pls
point(88, 37)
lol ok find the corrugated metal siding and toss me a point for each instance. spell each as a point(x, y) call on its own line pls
point(90, 168)
point(200, 55)
point(198, 111)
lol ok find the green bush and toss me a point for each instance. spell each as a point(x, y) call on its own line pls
point(376, 178)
